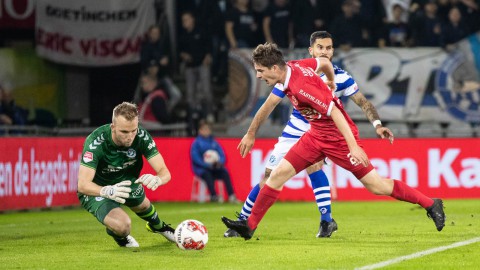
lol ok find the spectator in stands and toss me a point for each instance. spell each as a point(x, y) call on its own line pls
point(348, 27)
point(152, 103)
point(425, 25)
point(310, 16)
point(210, 19)
point(155, 61)
point(10, 113)
point(470, 10)
point(453, 30)
point(372, 14)
point(240, 26)
point(277, 24)
point(195, 54)
point(396, 32)
point(154, 53)
point(207, 168)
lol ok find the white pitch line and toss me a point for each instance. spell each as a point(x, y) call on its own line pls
point(419, 254)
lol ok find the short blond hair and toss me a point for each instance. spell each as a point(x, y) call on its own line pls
point(125, 109)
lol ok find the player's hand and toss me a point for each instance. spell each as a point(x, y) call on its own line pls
point(385, 133)
point(358, 156)
point(332, 85)
point(118, 192)
point(246, 144)
point(150, 181)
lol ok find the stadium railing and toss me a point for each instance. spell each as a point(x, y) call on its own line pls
point(174, 130)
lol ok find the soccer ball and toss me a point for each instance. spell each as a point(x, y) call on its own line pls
point(191, 235)
point(211, 156)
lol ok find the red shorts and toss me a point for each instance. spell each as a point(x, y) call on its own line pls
point(310, 149)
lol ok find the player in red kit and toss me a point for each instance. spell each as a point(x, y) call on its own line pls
point(332, 134)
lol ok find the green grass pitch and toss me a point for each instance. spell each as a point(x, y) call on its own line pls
point(369, 233)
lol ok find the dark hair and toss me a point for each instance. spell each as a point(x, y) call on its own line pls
point(268, 55)
point(319, 35)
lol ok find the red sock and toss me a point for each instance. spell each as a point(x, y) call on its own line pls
point(403, 192)
point(266, 198)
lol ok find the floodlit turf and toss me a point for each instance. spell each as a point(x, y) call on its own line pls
point(369, 233)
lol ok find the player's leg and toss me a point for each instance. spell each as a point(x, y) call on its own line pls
point(389, 187)
point(109, 213)
point(321, 191)
point(401, 191)
point(298, 158)
point(266, 198)
point(279, 151)
point(146, 211)
point(252, 196)
point(118, 225)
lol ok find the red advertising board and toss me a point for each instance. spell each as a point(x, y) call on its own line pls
point(42, 172)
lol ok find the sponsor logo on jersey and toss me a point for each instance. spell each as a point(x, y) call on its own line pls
point(87, 157)
point(99, 199)
point(111, 169)
point(312, 98)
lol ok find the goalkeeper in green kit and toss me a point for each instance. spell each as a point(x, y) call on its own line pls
point(109, 176)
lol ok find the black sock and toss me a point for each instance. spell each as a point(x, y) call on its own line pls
point(151, 216)
point(121, 241)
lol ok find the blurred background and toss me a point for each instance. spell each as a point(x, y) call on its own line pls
point(64, 65)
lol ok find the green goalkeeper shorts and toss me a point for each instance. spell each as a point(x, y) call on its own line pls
point(100, 207)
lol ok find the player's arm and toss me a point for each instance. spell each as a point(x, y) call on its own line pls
point(118, 192)
point(162, 176)
point(85, 181)
point(356, 152)
point(265, 110)
point(266, 29)
point(372, 115)
point(230, 34)
point(326, 67)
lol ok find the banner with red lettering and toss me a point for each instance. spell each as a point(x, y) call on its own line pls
point(15, 14)
point(42, 172)
point(91, 32)
point(39, 172)
point(444, 168)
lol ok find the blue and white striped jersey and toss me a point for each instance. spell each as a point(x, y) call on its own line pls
point(297, 125)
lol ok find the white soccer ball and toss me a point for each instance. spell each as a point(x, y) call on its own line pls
point(191, 234)
point(211, 156)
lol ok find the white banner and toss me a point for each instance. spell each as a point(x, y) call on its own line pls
point(92, 32)
point(404, 84)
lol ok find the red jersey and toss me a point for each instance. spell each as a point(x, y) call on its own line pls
point(313, 99)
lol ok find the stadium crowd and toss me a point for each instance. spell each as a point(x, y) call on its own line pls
point(225, 25)
point(205, 31)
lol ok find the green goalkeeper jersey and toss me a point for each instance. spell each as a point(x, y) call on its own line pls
point(114, 164)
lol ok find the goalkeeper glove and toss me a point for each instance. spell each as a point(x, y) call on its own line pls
point(118, 192)
point(150, 181)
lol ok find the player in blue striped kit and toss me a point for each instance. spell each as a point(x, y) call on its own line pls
point(321, 45)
